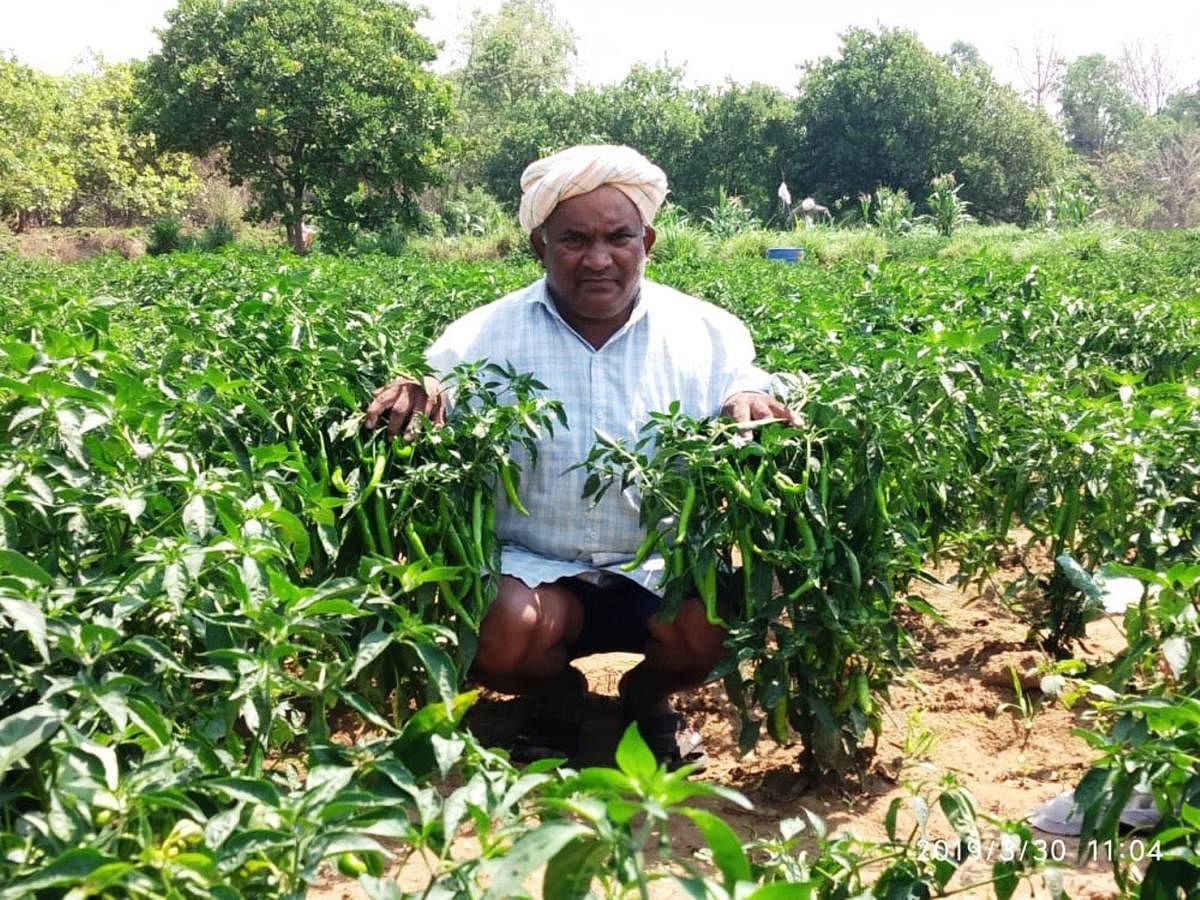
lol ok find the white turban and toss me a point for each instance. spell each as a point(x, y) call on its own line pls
point(577, 170)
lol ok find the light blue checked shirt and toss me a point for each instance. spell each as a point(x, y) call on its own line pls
point(674, 347)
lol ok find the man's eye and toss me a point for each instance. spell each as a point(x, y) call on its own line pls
point(573, 241)
point(620, 240)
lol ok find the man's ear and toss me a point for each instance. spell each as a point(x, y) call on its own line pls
point(648, 237)
point(538, 243)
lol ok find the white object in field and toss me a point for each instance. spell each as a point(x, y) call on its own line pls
point(784, 194)
point(1059, 816)
point(306, 234)
point(808, 204)
point(1117, 592)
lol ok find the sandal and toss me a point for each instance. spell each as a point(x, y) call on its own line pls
point(553, 721)
point(672, 742)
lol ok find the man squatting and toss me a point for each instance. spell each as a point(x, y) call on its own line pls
point(612, 347)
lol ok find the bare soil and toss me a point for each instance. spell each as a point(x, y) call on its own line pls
point(74, 244)
point(953, 698)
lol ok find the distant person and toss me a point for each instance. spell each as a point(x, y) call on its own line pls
point(307, 233)
point(613, 347)
point(785, 200)
point(813, 210)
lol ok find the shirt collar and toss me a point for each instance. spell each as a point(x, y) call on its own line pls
point(541, 294)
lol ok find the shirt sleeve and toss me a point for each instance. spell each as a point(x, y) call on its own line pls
point(741, 374)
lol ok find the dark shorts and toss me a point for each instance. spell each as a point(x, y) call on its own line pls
point(615, 616)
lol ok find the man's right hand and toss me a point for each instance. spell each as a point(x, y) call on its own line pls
point(403, 401)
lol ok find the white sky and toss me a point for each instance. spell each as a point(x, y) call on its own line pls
point(743, 40)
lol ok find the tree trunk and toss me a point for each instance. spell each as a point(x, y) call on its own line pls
point(296, 226)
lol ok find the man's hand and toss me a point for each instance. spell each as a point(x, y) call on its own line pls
point(402, 402)
point(752, 406)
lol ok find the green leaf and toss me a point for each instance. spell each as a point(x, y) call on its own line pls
point(345, 842)
point(634, 757)
point(506, 873)
point(197, 521)
point(442, 674)
point(251, 790)
point(889, 819)
point(24, 731)
point(1079, 577)
point(28, 618)
point(570, 872)
point(726, 846)
point(70, 868)
point(599, 780)
point(335, 606)
point(923, 606)
point(785, 890)
point(1005, 879)
point(363, 707)
point(369, 649)
point(17, 564)
point(959, 810)
point(150, 720)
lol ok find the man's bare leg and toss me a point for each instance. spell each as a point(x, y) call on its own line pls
point(523, 645)
point(524, 637)
point(679, 656)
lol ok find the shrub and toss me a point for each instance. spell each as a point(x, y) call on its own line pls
point(825, 245)
point(473, 211)
point(166, 235)
point(219, 233)
point(1064, 204)
point(501, 244)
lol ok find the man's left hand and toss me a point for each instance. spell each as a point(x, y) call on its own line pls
point(751, 406)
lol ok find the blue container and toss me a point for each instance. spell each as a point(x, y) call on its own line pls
point(786, 254)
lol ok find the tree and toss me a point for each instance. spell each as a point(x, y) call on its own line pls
point(324, 106)
point(1154, 180)
point(873, 116)
point(516, 58)
point(964, 56)
point(743, 131)
point(1184, 106)
point(653, 111)
point(1097, 111)
point(890, 112)
point(1147, 76)
point(36, 174)
point(650, 110)
point(1042, 72)
point(120, 176)
point(515, 54)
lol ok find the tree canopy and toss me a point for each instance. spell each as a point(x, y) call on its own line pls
point(35, 154)
point(1097, 109)
point(324, 106)
point(67, 151)
point(890, 112)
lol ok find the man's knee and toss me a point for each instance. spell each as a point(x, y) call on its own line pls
point(523, 626)
point(688, 643)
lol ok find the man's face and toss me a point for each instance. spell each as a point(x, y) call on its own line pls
point(593, 248)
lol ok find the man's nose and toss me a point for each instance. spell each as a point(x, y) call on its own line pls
point(597, 256)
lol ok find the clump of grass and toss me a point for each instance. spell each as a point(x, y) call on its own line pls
point(167, 234)
point(680, 240)
point(221, 232)
point(500, 244)
point(751, 244)
point(826, 245)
